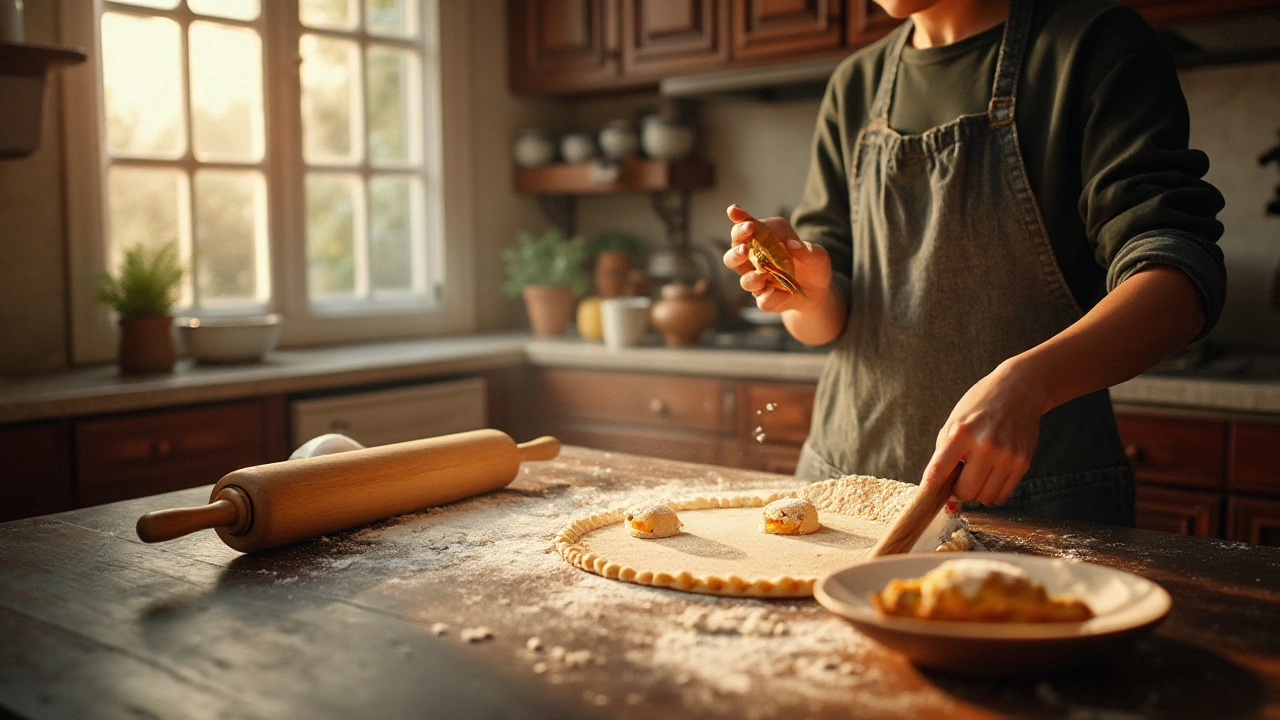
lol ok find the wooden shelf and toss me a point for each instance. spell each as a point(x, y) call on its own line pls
point(631, 174)
point(33, 59)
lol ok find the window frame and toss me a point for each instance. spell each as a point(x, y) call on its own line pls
point(447, 213)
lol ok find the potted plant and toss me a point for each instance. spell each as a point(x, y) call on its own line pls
point(614, 254)
point(549, 271)
point(142, 294)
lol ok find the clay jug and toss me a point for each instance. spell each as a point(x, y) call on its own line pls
point(682, 313)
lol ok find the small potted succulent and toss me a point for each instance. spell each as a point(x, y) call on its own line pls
point(142, 295)
point(549, 271)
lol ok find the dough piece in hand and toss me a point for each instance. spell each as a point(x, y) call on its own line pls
point(790, 516)
point(977, 590)
point(652, 520)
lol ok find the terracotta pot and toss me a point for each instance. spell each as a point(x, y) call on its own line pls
point(146, 345)
point(550, 309)
point(612, 273)
point(683, 313)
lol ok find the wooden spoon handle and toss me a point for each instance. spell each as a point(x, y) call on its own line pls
point(906, 530)
point(231, 510)
point(543, 448)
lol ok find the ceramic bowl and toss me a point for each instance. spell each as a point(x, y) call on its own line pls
point(229, 339)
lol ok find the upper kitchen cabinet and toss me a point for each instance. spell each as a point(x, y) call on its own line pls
point(786, 28)
point(673, 37)
point(563, 46)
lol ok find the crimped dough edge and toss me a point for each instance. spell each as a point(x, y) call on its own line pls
point(884, 503)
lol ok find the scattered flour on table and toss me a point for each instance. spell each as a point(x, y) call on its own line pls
point(497, 553)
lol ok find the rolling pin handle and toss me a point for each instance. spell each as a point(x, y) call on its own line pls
point(543, 448)
point(230, 510)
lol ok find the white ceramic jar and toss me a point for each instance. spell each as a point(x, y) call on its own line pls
point(619, 139)
point(533, 147)
point(665, 138)
point(577, 147)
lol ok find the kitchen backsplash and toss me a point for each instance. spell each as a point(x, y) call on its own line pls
point(761, 153)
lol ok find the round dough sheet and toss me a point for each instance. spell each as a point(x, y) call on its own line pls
point(728, 542)
point(723, 551)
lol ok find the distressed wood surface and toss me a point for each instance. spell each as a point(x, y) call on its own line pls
point(93, 623)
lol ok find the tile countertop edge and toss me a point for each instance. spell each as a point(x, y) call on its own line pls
point(1244, 396)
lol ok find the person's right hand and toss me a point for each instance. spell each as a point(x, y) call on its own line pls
point(813, 266)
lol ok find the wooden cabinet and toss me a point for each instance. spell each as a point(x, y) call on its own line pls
point(1254, 520)
point(674, 37)
point(125, 456)
point(562, 46)
point(786, 28)
point(1175, 451)
point(773, 422)
point(673, 417)
point(37, 478)
point(1185, 512)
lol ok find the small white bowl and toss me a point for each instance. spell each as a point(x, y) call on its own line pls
point(230, 339)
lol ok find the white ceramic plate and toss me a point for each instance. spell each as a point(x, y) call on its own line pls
point(1124, 605)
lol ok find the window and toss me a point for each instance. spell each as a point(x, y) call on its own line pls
point(292, 150)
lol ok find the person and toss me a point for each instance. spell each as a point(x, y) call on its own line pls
point(1002, 218)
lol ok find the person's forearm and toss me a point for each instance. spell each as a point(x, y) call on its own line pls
point(1139, 323)
point(819, 325)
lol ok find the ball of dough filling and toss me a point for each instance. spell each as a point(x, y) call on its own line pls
point(790, 516)
point(653, 520)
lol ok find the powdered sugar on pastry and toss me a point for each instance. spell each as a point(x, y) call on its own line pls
point(968, 576)
point(651, 520)
point(790, 516)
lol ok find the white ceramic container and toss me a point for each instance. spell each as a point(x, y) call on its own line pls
point(532, 148)
point(577, 147)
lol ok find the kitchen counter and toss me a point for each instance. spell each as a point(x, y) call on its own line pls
point(101, 389)
point(368, 622)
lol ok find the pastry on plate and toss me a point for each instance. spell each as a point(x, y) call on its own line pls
point(651, 520)
point(790, 516)
point(977, 590)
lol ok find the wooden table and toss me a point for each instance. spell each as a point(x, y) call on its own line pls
point(368, 623)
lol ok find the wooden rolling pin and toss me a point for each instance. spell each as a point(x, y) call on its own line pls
point(910, 525)
point(267, 506)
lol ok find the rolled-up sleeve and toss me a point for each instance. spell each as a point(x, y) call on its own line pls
point(1144, 200)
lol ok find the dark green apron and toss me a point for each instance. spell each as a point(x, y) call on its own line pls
point(952, 274)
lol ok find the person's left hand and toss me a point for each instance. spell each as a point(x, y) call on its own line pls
point(993, 429)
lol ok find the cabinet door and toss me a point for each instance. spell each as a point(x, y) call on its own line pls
point(780, 28)
point(1254, 520)
point(133, 455)
point(652, 442)
point(671, 37)
point(36, 478)
point(867, 22)
point(1185, 512)
point(773, 422)
point(1175, 451)
point(562, 45)
point(659, 401)
point(1254, 465)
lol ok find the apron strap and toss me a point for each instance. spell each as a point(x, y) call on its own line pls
point(1009, 62)
point(884, 93)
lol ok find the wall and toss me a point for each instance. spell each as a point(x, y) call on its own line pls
point(761, 153)
point(33, 257)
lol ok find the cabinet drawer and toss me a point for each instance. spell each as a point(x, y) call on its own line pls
point(134, 455)
point(1174, 450)
point(1185, 512)
point(638, 399)
point(1254, 520)
point(776, 412)
point(1255, 458)
point(666, 444)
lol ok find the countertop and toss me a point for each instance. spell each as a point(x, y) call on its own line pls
point(369, 622)
point(101, 389)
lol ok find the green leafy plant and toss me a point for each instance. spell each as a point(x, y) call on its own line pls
point(619, 241)
point(147, 284)
point(548, 260)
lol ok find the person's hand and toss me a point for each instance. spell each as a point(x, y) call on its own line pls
point(813, 266)
point(993, 429)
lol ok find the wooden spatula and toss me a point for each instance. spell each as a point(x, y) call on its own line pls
point(906, 530)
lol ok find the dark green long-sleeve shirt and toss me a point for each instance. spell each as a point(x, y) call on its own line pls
point(1103, 128)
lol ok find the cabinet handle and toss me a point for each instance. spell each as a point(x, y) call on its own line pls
point(1133, 452)
point(658, 407)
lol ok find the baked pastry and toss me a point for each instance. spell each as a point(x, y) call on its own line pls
point(977, 590)
point(790, 516)
point(651, 520)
